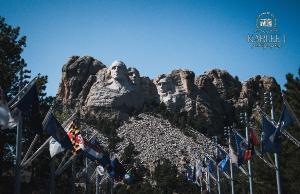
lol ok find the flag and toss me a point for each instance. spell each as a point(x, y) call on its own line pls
point(220, 155)
point(53, 128)
point(116, 170)
point(76, 138)
point(94, 151)
point(100, 170)
point(212, 168)
point(271, 145)
point(253, 140)
point(232, 156)
point(55, 147)
point(241, 146)
point(128, 178)
point(189, 173)
point(6, 118)
point(199, 170)
point(194, 173)
point(29, 106)
point(224, 164)
point(286, 118)
point(253, 137)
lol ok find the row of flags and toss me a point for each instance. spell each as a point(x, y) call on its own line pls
point(26, 102)
point(70, 138)
point(240, 150)
point(62, 139)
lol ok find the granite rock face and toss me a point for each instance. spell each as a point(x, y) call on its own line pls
point(213, 99)
point(100, 92)
point(78, 74)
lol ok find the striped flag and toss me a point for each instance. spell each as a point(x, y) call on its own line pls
point(75, 137)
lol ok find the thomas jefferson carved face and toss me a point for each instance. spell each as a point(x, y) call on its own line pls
point(134, 75)
point(118, 70)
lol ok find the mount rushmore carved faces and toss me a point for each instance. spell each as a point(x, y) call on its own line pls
point(134, 75)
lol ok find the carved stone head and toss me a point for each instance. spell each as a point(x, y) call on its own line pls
point(134, 75)
point(118, 70)
point(163, 85)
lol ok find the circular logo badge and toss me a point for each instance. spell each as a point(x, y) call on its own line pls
point(266, 23)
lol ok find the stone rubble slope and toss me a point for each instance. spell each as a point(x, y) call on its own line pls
point(155, 138)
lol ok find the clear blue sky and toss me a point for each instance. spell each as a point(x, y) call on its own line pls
point(154, 36)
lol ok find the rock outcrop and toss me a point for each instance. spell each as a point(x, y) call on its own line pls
point(212, 100)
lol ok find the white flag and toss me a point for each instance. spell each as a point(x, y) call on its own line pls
point(232, 155)
point(4, 116)
point(100, 170)
point(199, 169)
point(54, 147)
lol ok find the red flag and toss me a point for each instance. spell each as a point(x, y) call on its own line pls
point(248, 154)
point(253, 137)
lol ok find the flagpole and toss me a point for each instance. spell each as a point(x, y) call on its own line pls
point(87, 189)
point(207, 176)
point(97, 182)
point(218, 170)
point(19, 144)
point(73, 177)
point(249, 161)
point(230, 161)
point(52, 174)
point(112, 186)
point(275, 154)
point(18, 155)
point(201, 189)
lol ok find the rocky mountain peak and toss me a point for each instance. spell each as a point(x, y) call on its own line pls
point(115, 92)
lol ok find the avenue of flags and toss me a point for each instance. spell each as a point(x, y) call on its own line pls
point(67, 138)
point(24, 107)
point(241, 150)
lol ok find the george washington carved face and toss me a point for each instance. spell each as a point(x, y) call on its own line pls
point(118, 70)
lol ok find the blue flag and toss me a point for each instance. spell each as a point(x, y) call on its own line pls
point(189, 173)
point(224, 164)
point(116, 170)
point(286, 118)
point(53, 128)
point(241, 147)
point(29, 106)
point(269, 144)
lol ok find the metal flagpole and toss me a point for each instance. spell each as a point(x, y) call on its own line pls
point(217, 166)
point(249, 161)
point(87, 189)
point(52, 178)
point(201, 188)
point(230, 160)
point(18, 155)
point(97, 182)
point(30, 148)
point(19, 144)
point(275, 154)
point(207, 175)
point(73, 176)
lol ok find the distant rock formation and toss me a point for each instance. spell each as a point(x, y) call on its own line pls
point(213, 99)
